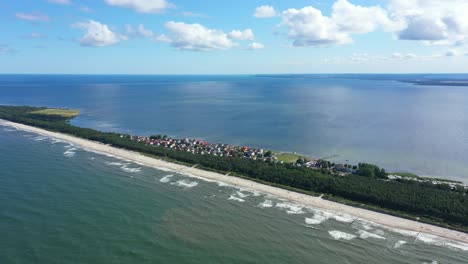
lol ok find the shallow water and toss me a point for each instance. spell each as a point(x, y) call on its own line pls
point(91, 208)
point(367, 118)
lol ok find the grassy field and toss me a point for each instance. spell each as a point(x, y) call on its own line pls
point(69, 113)
point(288, 157)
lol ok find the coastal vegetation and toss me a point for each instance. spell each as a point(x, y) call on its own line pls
point(67, 113)
point(368, 187)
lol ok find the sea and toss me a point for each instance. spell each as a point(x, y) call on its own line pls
point(63, 204)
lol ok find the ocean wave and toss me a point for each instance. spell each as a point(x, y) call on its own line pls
point(291, 208)
point(364, 235)
point(166, 178)
point(39, 138)
point(70, 152)
point(399, 244)
point(266, 204)
point(322, 215)
point(114, 163)
point(9, 130)
point(233, 198)
point(130, 170)
point(185, 183)
point(437, 241)
point(242, 195)
point(338, 235)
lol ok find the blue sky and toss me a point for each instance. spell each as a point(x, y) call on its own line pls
point(233, 37)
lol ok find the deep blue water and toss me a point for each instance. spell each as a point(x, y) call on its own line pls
point(369, 118)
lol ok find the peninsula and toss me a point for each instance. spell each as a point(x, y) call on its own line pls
point(365, 191)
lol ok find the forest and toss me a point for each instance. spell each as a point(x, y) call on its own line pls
point(432, 203)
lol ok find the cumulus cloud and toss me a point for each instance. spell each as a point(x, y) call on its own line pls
point(195, 37)
point(309, 27)
point(142, 6)
point(33, 17)
point(432, 21)
point(265, 11)
point(256, 46)
point(242, 35)
point(97, 34)
point(61, 2)
point(138, 32)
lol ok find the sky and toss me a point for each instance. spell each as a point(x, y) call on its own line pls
point(233, 37)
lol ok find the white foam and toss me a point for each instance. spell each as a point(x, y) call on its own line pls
point(70, 152)
point(39, 138)
point(338, 235)
point(266, 204)
point(322, 215)
point(291, 208)
point(399, 243)
point(437, 241)
point(233, 198)
point(316, 219)
point(9, 130)
point(222, 184)
point(364, 235)
point(242, 195)
point(130, 170)
point(433, 262)
point(185, 183)
point(166, 178)
point(114, 163)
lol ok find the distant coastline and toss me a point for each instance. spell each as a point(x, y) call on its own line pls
point(379, 218)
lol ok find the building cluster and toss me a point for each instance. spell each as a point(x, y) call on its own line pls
point(202, 147)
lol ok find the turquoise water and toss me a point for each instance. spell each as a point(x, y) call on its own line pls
point(361, 118)
point(63, 204)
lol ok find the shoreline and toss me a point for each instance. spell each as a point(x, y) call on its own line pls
point(303, 199)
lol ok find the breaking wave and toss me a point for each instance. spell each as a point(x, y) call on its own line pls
point(233, 198)
point(338, 235)
point(364, 235)
point(185, 183)
point(291, 208)
point(166, 178)
point(70, 152)
point(266, 204)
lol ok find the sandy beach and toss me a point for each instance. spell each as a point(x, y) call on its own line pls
point(378, 218)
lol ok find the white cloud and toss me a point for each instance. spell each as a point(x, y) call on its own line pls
point(358, 19)
point(451, 53)
point(256, 46)
point(433, 21)
point(403, 56)
point(98, 35)
point(33, 17)
point(61, 2)
point(35, 35)
point(86, 9)
point(242, 35)
point(138, 32)
point(309, 27)
point(142, 6)
point(265, 11)
point(195, 37)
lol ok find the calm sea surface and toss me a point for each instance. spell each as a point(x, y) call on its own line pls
point(370, 118)
point(62, 204)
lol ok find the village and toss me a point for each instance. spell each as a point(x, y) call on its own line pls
point(203, 147)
